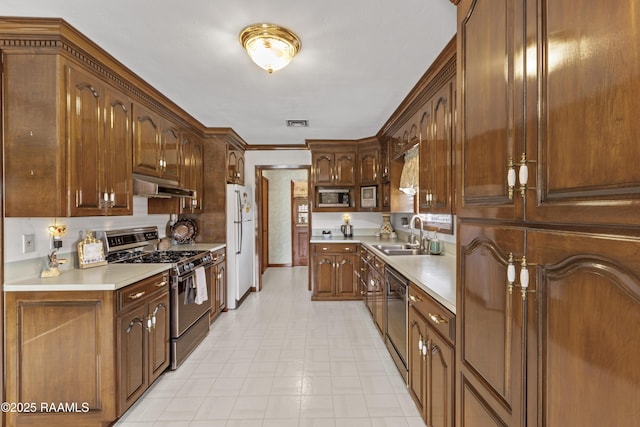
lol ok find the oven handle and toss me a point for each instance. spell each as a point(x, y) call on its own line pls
point(182, 278)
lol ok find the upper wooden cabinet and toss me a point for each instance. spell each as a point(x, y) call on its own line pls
point(156, 145)
point(369, 164)
point(436, 151)
point(235, 166)
point(334, 168)
point(192, 171)
point(100, 147)
point(562, 112)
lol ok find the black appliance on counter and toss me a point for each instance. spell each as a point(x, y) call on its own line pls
point(189, 322)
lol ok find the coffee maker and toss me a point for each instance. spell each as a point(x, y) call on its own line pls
point(346, 228)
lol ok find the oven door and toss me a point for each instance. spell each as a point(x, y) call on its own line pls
point(185, 312)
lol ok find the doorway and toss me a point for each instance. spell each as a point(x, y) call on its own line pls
point(275, 213)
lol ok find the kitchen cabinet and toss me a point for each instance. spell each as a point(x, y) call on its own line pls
point(100, 148)
point(333, 271)
point(218, 290)
point(553, 153)
point(526, 354)
point(436, 150)
point(192, 170)
point(369, 164)
point(143, 337)
point(156, 145)
point(83, 125)
point(120, 342)
point(235, 166)
point(376, 291)
point(333, 168)
point(431, 358)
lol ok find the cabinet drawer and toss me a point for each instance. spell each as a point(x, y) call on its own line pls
point(219, 256)
point(438, 317)
point(335, 248)
point(142, 290)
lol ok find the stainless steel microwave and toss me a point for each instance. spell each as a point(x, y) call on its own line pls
point(334, 198)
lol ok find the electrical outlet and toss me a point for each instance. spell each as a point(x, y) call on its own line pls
point(28, 243)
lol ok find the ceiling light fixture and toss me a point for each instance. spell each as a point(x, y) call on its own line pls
point(271, 47)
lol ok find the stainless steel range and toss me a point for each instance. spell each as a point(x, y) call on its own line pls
point(189, 320)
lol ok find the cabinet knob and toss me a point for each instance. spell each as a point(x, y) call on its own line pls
point(161, 284)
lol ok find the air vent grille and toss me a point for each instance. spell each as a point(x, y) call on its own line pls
point(298, 123)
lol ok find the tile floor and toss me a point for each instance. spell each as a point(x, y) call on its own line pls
point(282, 360)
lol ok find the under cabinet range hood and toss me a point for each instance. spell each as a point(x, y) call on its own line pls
point(146, 186)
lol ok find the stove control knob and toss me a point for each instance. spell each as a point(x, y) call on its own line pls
point(191, 265)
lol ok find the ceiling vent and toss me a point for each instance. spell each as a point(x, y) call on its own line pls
point(298, 123)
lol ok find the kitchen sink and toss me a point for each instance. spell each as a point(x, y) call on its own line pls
point(399, 249)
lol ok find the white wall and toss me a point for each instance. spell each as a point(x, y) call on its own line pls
point(14, 228)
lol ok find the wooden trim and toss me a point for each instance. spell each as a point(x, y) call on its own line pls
point(276, 147)
point(281, 265)
point(442, 69)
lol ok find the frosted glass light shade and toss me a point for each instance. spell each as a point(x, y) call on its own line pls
point(270, 46)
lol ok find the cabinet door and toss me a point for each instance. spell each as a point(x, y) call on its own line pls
point(587, 300)
point(159, 338)
point(346, 282)
point(117, 157)
point(436, 155)
point(240, 168)
point(587, 147)
point(323, 164)
point(192, 171)
point(146, 142)
point(345, 168)
point(385, 160)
point(170, 154)
point(368, 165)
point(489, 341)
point(86, 150)
point(489, 34)
point(417, 359)
point(132, 357)
point(323, 277)
point(440, 382)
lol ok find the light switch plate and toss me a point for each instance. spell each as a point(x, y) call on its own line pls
point(28, 243)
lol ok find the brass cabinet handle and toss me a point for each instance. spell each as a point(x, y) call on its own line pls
point(437, 318)
point(136, 296)
point(161, 284)
point(415, 298)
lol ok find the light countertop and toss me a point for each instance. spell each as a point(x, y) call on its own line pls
point(435, 274)
point(103, 278)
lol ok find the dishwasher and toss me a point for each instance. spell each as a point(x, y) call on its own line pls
point(396, 311)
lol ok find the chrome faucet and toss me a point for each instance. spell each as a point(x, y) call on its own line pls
point(413, 218)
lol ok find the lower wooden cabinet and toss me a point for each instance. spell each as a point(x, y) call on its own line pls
point(431, 359)
point(375, 290)
point(333, 271)
point(93, 351)
point(142, 337)
point(218, 283)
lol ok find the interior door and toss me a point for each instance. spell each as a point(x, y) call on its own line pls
point(264, 223)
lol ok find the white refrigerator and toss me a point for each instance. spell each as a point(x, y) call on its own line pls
point(240, 243)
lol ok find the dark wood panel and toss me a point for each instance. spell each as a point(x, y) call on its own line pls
point(587, 143)
point(588, 300)
point(74, 333)
point(487, 102)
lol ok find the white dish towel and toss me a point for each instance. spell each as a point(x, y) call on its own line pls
point(201, 286)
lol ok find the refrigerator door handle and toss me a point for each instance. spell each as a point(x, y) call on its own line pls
point(238, 206)
point(240, 240)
